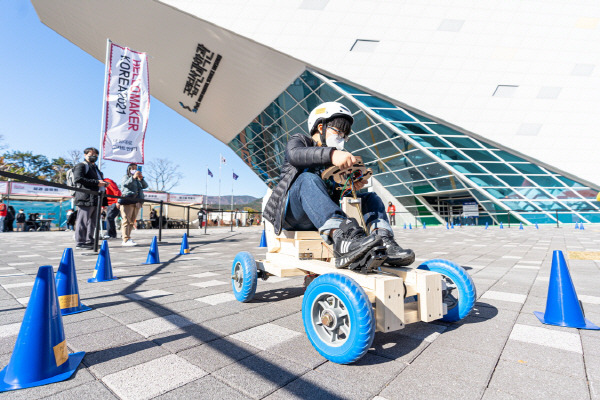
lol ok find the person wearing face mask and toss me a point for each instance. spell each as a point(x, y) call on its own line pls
point(87, 175)
point(303, 201)
point(132, 186)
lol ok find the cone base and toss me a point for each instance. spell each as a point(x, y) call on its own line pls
point(588, 323)
point(151, 263)
point(94, 280)
point(72, 364)
point(75, 310)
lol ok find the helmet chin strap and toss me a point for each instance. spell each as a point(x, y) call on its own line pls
point(323, 130)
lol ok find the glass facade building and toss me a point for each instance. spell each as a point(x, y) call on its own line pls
point(431, 168)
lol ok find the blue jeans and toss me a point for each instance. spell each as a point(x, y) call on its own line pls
point(2, 223)
point(309, 208)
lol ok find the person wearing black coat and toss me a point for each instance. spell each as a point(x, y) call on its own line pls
point(87, 175)
point(10, 219)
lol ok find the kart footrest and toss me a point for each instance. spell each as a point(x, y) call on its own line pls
point(370, 261)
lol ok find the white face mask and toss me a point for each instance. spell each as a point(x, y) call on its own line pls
point(335, 141)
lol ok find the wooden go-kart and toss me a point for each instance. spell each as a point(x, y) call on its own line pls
point(342, 308)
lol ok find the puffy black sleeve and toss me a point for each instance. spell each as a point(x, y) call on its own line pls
point(302, 155)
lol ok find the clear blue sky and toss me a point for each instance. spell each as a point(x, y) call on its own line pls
point(51, 102)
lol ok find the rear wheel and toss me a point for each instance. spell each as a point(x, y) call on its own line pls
point(244, 276)
point(459, 292)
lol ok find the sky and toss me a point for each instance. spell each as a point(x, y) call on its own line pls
point(51, 96)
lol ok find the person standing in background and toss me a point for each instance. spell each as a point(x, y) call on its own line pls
point(3, 212)
point(21, 217)
point(392, 213)
point(87, 175)
point(10, 219)
point(112, 211)
point(132, 187)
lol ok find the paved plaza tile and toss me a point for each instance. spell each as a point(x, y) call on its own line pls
point(174, 330)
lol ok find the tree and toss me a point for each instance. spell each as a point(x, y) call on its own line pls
point(28, 164)
point(60, 166)
point(162, 175)
point(74, 157)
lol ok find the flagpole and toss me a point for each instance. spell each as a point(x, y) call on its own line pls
point(232, 181)
point(220, 163)
point(103, 122)
point(206, 196)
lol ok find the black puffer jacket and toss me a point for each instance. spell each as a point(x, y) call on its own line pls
point(86, 177)
point(301, 152)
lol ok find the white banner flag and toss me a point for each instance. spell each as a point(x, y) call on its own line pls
point(127, 105)
point(3, 187)
point(31, 189)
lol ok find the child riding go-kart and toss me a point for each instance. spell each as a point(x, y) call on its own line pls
point(362, 280)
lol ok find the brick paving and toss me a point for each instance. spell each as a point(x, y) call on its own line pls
point(173, 330)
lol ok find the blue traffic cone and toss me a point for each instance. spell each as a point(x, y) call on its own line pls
point(452, 226)
point(576, 225)
point(501, 226)
point(66, 286)
point(521, 226)
point(486, 225)
point(562, 305)
point(40, 355)
point(409, 226)
point(404, 225)
point(185, 248)
point(424, 225)
point(263, 240)
point(536, 226)
point(447, 226)
point(103, 271)
point(153, 256)
point(581, 226)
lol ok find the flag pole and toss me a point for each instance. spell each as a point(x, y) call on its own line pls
point(206, 192)
point(103, 122)
point(232, 182)
point(220, 163)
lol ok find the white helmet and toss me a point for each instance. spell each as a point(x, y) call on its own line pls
point(326, 112)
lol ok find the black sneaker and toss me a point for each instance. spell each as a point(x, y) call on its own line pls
point(350, 242)
point(84, 246)
point(397, 256)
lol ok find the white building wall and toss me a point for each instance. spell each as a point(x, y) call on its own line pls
point(448, 58)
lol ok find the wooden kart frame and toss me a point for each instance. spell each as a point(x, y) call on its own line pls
point(300, 253)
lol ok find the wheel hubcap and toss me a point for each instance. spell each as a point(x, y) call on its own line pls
point(238, 276)
point(449, 292)
point(330, 319)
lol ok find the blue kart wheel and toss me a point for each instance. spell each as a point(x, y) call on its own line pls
point(244, 276)
point(338, 318)
point(459, 292)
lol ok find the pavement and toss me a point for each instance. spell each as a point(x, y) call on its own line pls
point(174, 330)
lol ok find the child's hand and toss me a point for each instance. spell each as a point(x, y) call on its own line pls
point(342, 159)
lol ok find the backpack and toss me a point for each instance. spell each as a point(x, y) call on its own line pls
point(71, 178)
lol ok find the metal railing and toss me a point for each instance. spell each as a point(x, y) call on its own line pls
point(102, 195)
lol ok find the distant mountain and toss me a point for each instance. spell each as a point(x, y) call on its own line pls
point(213, 201)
